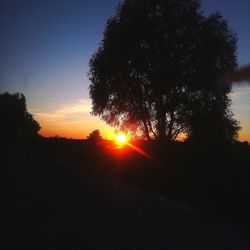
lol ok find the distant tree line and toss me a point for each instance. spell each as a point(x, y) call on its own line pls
point(159, 69)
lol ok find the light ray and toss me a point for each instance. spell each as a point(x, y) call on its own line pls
point(142, 152)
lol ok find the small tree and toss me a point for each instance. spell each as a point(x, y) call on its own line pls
point(16, 121)
point(95, 136)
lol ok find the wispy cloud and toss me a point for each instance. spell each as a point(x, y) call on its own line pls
point(66, 113)
point(71, 120)
point(81, 106)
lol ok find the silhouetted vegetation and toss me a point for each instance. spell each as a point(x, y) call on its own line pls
point(16, 121)
point(95, 136)
point(159, 68)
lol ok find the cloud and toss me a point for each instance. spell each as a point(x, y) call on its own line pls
point(69, 113)
point(81, 106)
point(240, 92)
point(71, 120)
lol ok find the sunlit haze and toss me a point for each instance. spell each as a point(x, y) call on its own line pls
point(46, 46)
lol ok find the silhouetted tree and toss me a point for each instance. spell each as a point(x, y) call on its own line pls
point(95, 136)
point(159, 66)
point(16, 121)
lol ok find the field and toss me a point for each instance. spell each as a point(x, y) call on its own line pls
point(71, 194)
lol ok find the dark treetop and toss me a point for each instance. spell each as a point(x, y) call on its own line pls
point(158, 70)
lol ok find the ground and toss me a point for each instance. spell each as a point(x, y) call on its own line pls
point(52, 202)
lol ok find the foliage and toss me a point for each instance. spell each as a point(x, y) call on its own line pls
point(95, 136)
point(16, 121)
point(158, 70)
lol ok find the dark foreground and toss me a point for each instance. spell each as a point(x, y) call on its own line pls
point(56, 196)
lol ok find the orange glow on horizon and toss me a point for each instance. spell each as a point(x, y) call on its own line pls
point(107, 133)
point(75, 134)
point(80, 125)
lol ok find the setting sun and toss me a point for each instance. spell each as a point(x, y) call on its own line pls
point(121, 139)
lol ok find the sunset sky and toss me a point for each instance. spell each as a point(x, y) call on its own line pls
point(45, 48)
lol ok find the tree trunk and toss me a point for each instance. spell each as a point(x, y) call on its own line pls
point(161, 121)
point(146, 130)
point(151, 129)
point(162, 127)
point(170, 127)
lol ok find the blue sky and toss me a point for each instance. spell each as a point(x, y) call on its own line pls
point(46, 45)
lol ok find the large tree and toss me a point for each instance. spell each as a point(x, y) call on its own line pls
point(158, 69)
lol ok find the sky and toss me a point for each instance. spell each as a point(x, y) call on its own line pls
point(45, 48)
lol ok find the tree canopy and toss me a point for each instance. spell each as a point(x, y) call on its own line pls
point(94, 136)
point(158, 70)
point(16, 121)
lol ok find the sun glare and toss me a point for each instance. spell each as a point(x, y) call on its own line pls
point(121, 139)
